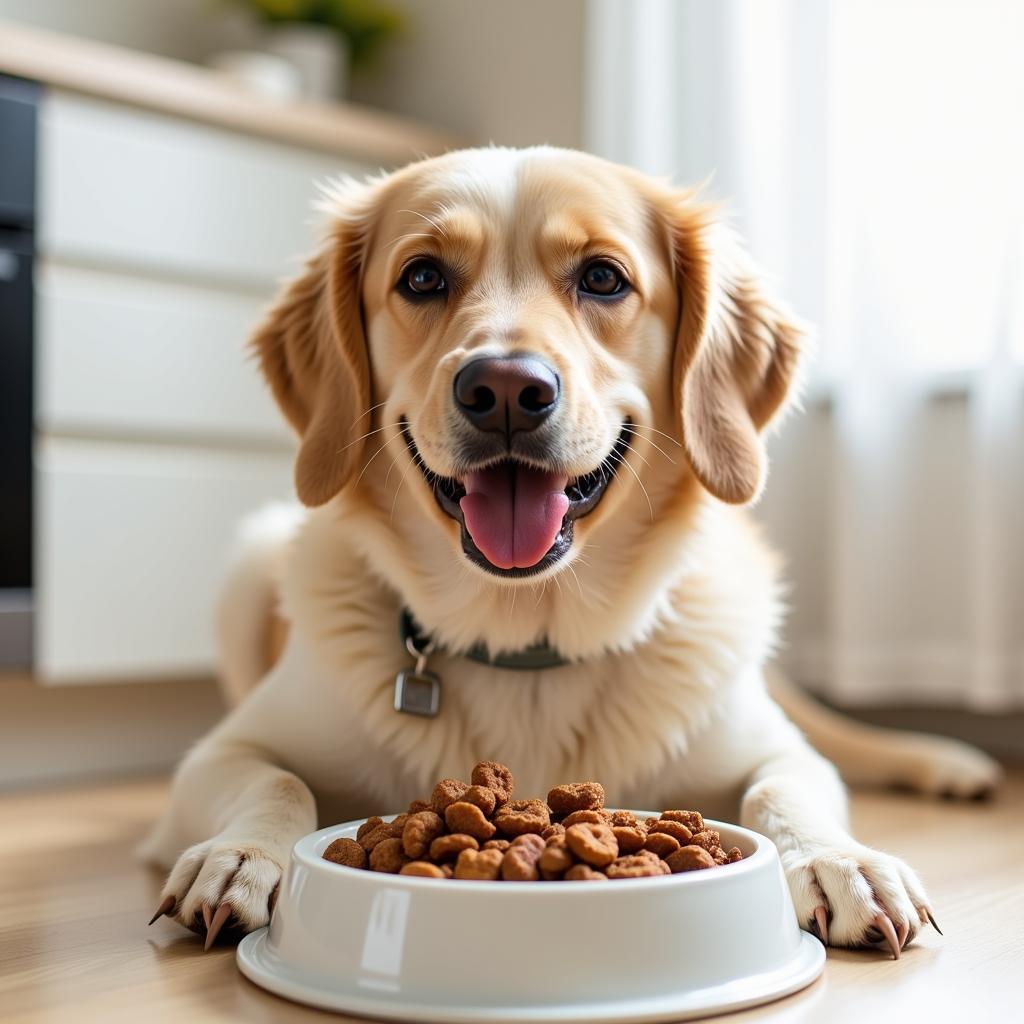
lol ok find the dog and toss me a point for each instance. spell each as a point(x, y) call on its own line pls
point(531, 389)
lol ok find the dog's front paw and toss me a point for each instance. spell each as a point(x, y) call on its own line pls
point(221, 882)
point(858, 897)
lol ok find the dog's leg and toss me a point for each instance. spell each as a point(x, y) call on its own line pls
point(253, 812)
point(867, 755)
point(849, 894)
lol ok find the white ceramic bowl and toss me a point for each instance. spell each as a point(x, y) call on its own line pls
point(643, 949)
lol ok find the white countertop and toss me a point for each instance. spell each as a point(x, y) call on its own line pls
point(200, 94)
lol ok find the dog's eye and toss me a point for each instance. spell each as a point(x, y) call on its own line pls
point(603, 279)
point(423, 279)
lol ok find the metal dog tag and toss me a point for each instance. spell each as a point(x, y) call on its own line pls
point(417, 692)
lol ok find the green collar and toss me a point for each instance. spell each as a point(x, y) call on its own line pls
point(529, 659)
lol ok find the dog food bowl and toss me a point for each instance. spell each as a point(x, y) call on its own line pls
point(639, 949)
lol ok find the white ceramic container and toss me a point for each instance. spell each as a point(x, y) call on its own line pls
point(440, 950)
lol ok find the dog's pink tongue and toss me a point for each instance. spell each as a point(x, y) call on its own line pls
point(513, 513)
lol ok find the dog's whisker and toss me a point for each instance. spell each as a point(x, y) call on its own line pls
point(373, 456)
point(430, 220)
point(363, 437)
point(362, 416)
point(399, 491)
point(579, 586)
point(641, 458)
point(653, 444)
point(650, 505)
point(394, 462)
point(411, 234)
point(644, 426)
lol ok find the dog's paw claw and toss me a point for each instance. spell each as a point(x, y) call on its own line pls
point(931, 919)
point(884, 925)
point(223, 912)
point(166, 906)
point(821, 921)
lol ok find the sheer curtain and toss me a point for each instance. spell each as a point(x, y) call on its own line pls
point(873, 156)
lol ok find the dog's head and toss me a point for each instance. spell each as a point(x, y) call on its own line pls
point(529, 342)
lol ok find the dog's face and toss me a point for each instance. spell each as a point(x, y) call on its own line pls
point(531, 336)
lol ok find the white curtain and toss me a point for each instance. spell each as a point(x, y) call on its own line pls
point(873, 155)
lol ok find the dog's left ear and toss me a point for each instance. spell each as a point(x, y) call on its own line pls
point(736, 356)
point(312, 349)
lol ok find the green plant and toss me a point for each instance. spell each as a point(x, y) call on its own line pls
point(366, 24)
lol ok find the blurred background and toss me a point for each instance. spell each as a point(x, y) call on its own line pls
point(157, 163)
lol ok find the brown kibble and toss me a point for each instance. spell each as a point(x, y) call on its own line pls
point(479, 865)
point(709, 839)
point(587, 816)
point(477, 831)
point(368, 826)
point(576, 796)
point(446, 793)
point(520, 863)
point(676, 829)
point(661, 844)
point(593, 844)
point(375, 836)
point(420, 830)
point(689, 858)
point(584, 873)
point(449, 847)
point(494, 776)
point(555, 859)
point(469, 820)
point(630, 839)
point(422, 869)
point(483, 797)
point(624, 819)
point(522, 816)
point(637, 867)
point(691, 819)
point(347, 852)
point(388, 856)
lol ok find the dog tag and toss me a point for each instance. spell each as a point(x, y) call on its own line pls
point(417, 692)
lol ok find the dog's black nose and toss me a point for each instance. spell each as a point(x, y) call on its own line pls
point(507, 394)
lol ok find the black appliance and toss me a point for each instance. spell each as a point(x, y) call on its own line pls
point(19, 102)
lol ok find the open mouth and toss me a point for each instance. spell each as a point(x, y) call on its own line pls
point(517, 519)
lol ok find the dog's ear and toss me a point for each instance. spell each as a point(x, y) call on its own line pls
point(736, 355)
point(312, 349)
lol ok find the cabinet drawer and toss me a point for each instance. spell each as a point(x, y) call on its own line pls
point(129, 355)
point(131, 542)
point(138, 188)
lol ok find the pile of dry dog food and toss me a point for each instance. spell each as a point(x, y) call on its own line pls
point(478, 831)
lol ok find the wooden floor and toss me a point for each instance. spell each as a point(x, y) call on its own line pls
point(74, 945)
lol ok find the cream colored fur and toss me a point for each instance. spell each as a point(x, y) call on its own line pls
point(668, 604)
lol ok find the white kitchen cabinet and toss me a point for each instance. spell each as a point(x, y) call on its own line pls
point(142, 190)
point(131, 544)
point(135, 357)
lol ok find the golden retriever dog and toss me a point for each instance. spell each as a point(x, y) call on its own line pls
point(530, 388)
